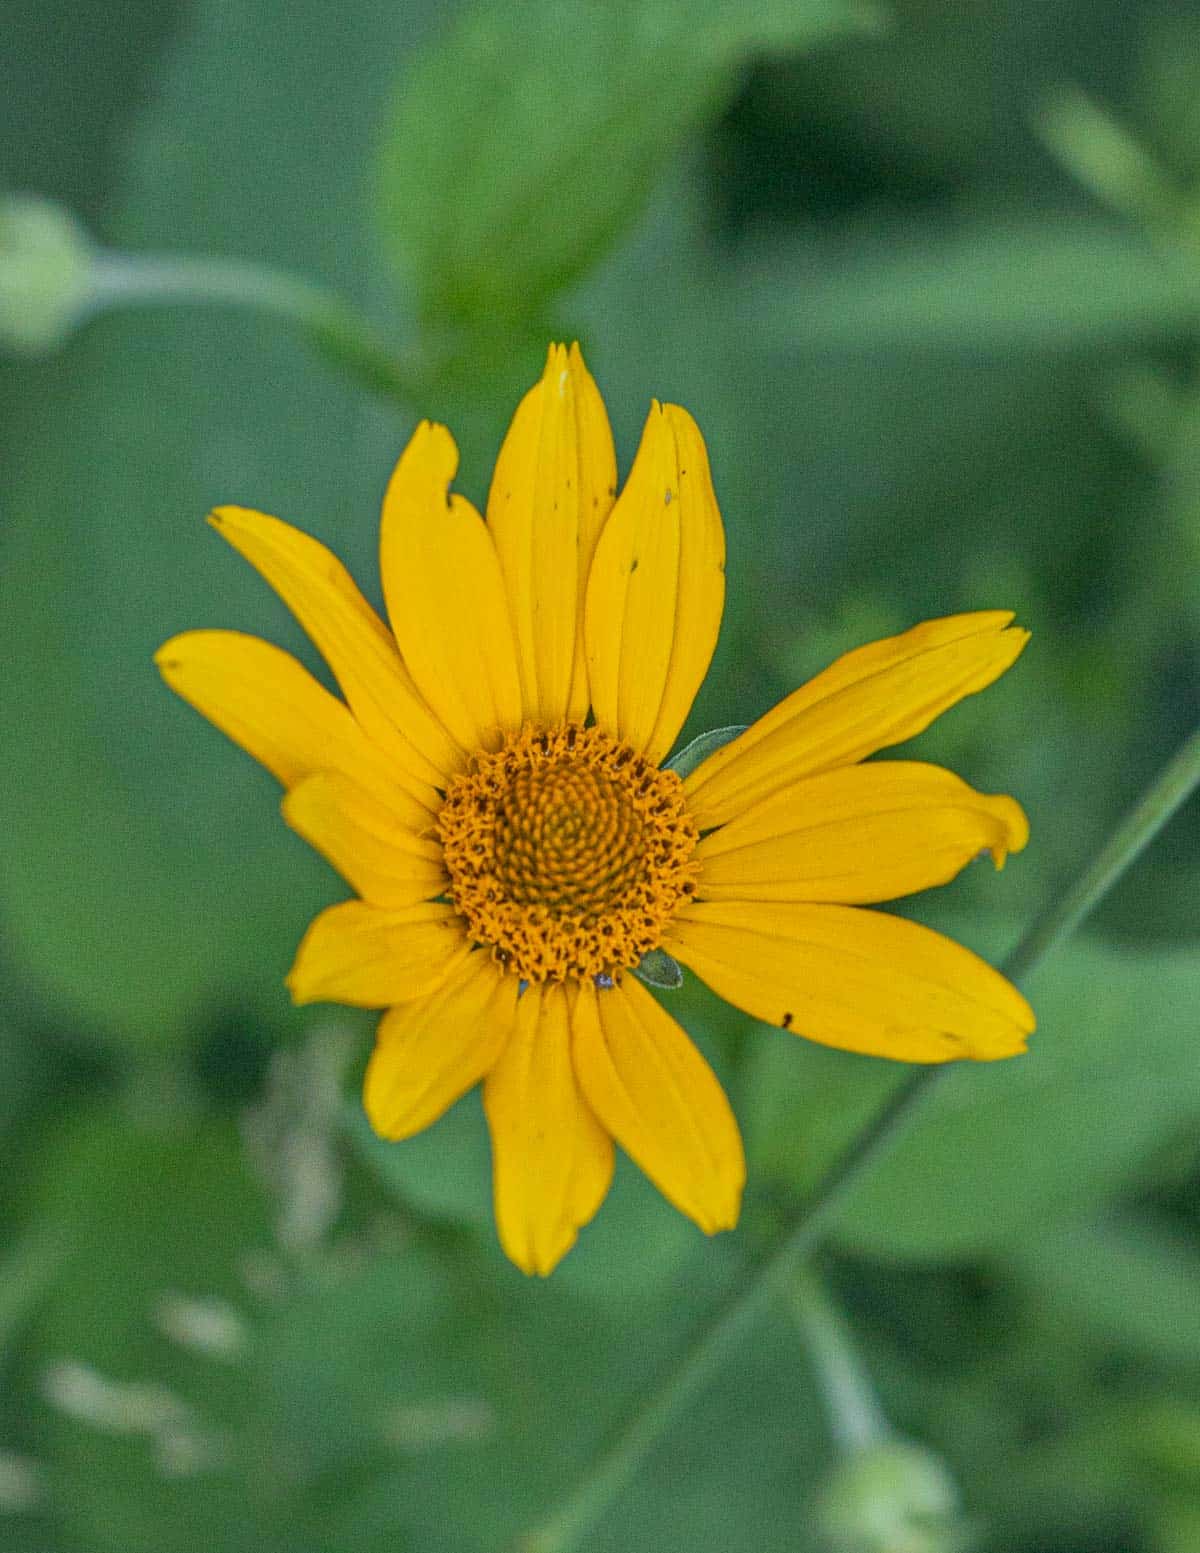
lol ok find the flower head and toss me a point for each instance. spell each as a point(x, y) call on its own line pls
point(492, 788)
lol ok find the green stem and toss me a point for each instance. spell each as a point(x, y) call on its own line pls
point(332, 326)
point(1169, 791)
point(856, 1420)
point(771, 1274)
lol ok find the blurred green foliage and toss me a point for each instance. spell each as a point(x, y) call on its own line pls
point(927, 279)
point(592, 103)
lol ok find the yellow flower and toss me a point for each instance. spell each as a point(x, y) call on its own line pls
point(491, 787)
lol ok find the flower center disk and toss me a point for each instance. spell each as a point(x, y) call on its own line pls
point(568, 853)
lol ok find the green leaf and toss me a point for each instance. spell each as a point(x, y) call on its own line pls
point(529, 137)
point(444, 1172)
point(998, 289)
point(1135, 1285)
point(1000, 1149)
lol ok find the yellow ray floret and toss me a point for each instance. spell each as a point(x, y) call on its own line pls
point(266, 702)
point(656, 589)
point(372, 956)
point(858, 834)
point(659, 1099)
point(555, 480)
point(389, 862)
point(355, 643)
point(869, 699)
point(852, 978)
point(552, 1162)
point(430, 1051)
point(445, 596)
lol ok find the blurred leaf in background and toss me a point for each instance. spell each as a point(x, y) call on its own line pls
point(590, 103)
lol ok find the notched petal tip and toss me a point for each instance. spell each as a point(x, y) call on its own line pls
point(539, 1261)
point(536, 1251)
point(1015, 829)
point(298, 990)
point(558, 365)
point(1010, 642)
point(1021, 1020)
point(1017, 638)
point(429, 462)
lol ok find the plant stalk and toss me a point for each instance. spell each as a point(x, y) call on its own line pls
point(332, 326)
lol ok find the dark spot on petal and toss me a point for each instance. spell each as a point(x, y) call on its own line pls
point(786, 1021)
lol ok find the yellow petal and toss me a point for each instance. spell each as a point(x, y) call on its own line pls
point(385, 852)
point(654, 1092)
point(870, 698)
point(551, 491)
point(552, 1162)
point(860, 980)
point(858, 834)
point(372, 957)
point(430, 1051)
point(265, 701)
point(597, 492)
point(348, 633)
point(656, 588)
point(445, 596)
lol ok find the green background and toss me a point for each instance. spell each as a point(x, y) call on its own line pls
point(938, 320)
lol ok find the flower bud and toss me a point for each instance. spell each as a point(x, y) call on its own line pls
point(895, 1497)
point(45, 273)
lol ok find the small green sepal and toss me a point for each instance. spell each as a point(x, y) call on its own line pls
point(701, 747)
point(896, 1497)
point(658, 969)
